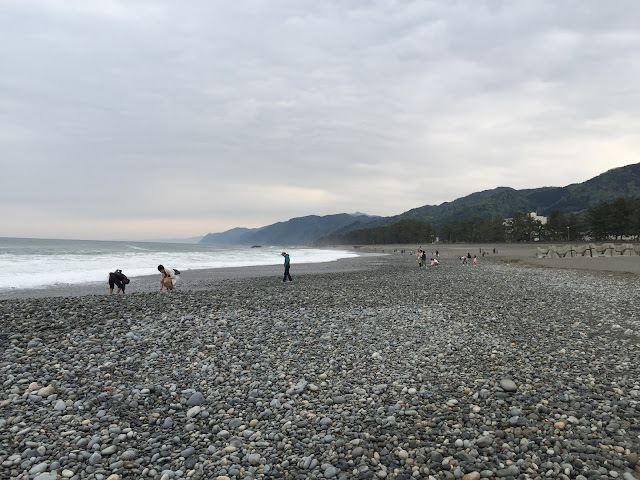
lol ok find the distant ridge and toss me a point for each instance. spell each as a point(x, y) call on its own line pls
point(235, 236)
point(296, 231)
point(500, 202)
point(503, 202)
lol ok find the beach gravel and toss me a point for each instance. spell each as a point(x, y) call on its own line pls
point(383, 371)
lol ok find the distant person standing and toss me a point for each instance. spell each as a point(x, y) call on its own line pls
point(287, 264)
point(169, 278)
point(117, 278)
point(475, 260)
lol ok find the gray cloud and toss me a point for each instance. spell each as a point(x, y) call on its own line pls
point(128, 117)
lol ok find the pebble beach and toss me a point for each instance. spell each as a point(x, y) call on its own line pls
point(364, 368)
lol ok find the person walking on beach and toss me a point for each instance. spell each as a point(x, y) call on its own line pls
point(287, 264)
point(169, 277)
point(117, 278)
point(475, 260)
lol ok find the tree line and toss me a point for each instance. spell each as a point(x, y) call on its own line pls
point(616, 220)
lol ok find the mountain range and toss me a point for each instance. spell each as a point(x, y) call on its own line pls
point(297, 231)
point(500, 202)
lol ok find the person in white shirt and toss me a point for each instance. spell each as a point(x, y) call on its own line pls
point(170, 277)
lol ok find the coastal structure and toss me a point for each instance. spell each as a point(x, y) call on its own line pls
point(588, 250)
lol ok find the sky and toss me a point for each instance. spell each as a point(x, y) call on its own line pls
point(169, 119)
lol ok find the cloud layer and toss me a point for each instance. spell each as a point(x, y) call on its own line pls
point(165, 119)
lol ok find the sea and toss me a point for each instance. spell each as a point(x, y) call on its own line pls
point(39, 263)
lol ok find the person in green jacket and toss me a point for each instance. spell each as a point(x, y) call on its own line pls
point(286, 267)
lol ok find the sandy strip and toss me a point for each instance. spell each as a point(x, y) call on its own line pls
point(523, 254)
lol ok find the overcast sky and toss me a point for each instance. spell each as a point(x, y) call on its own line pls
point(165, 119)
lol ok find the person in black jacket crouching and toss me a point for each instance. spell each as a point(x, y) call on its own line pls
point(117, 278)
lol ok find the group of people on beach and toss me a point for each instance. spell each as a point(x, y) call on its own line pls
point(168, 279)
point(422, 259)
point(467, 260)
point(434, 262)
point(170, 276)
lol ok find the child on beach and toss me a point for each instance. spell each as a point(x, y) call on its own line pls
point(475, 260)
point(169, 278)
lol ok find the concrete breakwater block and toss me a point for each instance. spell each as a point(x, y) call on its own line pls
point(589, 250)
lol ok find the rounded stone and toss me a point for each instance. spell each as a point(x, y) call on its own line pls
point(508, 385)
point(195, 399)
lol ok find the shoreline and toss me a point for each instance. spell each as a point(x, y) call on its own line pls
point(191, 279)
point(510, 254)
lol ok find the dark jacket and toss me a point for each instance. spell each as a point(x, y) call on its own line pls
point(120, 277)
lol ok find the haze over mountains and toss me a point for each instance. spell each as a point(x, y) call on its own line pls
point(500, 202)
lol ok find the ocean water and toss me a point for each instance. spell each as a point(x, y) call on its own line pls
point(38, 263)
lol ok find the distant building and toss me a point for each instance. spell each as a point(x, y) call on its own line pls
point(541, 219)
point(533, 235)
point(534, 215)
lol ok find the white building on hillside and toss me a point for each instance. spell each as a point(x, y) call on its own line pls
point(541, 219)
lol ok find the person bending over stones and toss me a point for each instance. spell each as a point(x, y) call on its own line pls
point(117, 278)
point(169, 277)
